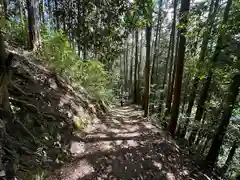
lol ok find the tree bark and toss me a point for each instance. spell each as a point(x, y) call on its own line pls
point(185, 4)
point(155, 42)
point(131, 67)
point(201, 106)
point(147, 69)
point(171, 83)
point(5, 109)
point(228, 106)
point(139, 69)
point(126, 68)
point(34, 34)
point(136, 68)
point(230, 157)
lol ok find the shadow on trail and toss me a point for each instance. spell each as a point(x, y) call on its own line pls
point(125, 146)
point(148, 160)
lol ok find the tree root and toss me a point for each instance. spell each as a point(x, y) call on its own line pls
point(25, 103)
point(20, 90)
point(27, 131)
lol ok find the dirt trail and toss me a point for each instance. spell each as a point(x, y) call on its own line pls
point(125, 146)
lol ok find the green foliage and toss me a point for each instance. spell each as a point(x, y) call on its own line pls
point(18, 32)
point(88, 73)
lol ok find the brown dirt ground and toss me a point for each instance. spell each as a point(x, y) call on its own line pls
point(124, 146)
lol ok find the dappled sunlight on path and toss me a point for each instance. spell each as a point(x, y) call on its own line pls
point(124, 145)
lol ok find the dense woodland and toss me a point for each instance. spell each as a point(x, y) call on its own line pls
point(178, 60)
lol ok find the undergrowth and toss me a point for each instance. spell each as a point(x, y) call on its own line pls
point(57, 51)
point(89, 74)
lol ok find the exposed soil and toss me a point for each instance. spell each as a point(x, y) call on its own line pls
point(124, 146)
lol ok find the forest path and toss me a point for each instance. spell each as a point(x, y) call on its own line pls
point(125, 146)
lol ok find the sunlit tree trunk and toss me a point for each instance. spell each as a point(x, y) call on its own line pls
point(185, 4)
point(170, 50)
point(171, 83)
point(131, 67)
point(155, 42)
point(136, 74)
point(147, 68)
point(34, 33)
point(139, 69)
point(165, 74)
point(126, 66)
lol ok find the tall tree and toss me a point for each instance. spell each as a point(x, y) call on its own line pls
point(136, 74)
point(33, 28)
point(5, 108)
point(147, 66)
point(131, 66)
point(156, 41)
point(41, 11)
point(185, 4)
point(213, 60)
point(228, 106)
point(206, 35)
point(170, 80)
point(139, 67)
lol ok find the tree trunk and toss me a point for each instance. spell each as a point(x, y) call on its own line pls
point(5, 109)
point(85, 43)
point(33, 40)
point(41, 11)
point(165, 75)
point(171, 48)
point(185, 4)
point(136, 68)
point(139, 69)
point(147, 69)
point(131, 67)
point(49, 11)
point(155, 42)
point(56, 15)
point(205, 90)
point(230, 157)
point(206, 35)
point(201, 107)
point(21, 12)
point(227, 112)
point(206, 142)
point(79, 28)
point(126, 68)
point(171, 83)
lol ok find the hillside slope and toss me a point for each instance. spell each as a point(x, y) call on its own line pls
point(45, 108)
